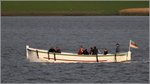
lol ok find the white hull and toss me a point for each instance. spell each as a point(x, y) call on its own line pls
point(39, 55)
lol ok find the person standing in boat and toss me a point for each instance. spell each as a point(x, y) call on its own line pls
point(80, 52)
point(95, 51)
point(117, 48)
point(105, 51)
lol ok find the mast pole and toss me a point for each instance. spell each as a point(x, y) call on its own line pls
point(129, 45)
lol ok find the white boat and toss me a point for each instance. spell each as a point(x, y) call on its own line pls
point(40, 55)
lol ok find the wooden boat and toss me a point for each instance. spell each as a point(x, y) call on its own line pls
point(40, 55)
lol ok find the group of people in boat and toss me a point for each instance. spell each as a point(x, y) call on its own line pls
point(82, 51)
point(95, 51)
point(92, 51)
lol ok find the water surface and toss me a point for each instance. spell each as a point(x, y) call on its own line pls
point(68, 33)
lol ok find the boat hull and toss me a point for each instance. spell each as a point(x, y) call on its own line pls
point(39, 55)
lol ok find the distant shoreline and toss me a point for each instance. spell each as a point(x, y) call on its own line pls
point(123, 12)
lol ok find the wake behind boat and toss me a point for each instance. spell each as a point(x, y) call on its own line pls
point(40, 55)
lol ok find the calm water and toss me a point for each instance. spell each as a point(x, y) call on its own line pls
point(69, 33)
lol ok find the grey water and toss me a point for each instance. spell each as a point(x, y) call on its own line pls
point(69, 33)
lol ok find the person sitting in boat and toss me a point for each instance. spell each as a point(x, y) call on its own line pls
point(95, 51)
point(105, 51)
point(80, 52)
point(57, 50)
point(85, 52)
point(91, 51)
point(51, 49)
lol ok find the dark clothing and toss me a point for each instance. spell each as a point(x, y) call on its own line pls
point(117, 48)
point(105, 52)
point(51, 50)
point(91, 51)
point(95, 51)
point(85, 52)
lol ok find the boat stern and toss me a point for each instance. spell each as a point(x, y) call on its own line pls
point(129, 55)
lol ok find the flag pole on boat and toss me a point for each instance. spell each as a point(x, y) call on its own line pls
point(129, 45)
point(129, 51)
point(133, 45)
point(27, 46)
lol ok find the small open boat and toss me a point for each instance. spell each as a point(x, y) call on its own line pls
point(40, 55)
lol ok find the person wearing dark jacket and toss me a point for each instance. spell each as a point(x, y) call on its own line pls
point(117, 48)
point(85, 52)
point(95, 51)
point(51, 50)
point(105, 51)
